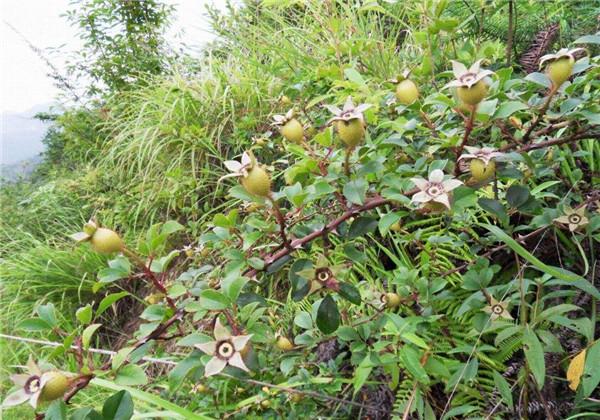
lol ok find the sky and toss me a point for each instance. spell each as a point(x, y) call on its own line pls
point(24, 75)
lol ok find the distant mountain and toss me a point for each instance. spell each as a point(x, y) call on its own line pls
point(21, 141)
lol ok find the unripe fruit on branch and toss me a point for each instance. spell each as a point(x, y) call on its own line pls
point(396, 227)
point(480, 171)
point(292, 131)
point(560, 70)
point(351, 132)
point(55, 387)
point(392, 300)
point(284, 344)
point(407, 92)
point(106, 241)
point(257, 182)
point(472, 95)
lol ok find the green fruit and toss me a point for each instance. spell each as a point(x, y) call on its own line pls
point(284, 344)
point(106, 241)
point(351, 132)
point(392, 300)
point(472, 95)
point(480, 171)
point(55, 387)
point(407, 92)
point(293, 131)
point(560, 70)
point(257, 182)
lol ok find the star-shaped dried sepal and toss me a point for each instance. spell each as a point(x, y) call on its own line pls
point(279, 120)
point(35, 386)
point(225, 350)
point(348, 112)
point(322, 275)
point(562, 53)
point(497, 309)
point(574, 219)
point(241, 168)
point(435, 189)
point(467, 77)
point(485, 154)
point(86, 234)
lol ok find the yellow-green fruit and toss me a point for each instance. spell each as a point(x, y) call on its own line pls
point(265, 403)
point(296, 397)
point(392, 300)
point(284, 344)
point(407, 92)
point(285, 100)
point(351, 132)
point(396, 227)
point(480, 171)
point(472, 95)
point(293, 131)
point(257, 182)
point(55, 387)
point(560, 70)
point(106, 241)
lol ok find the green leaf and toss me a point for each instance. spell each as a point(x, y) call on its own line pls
point(232, 286)
point(347, 333)
point(411, 360)
point(588, 39)
point(86, 413)
point(108, 275)
point(328, 315)
point(354, 76)
point(56, 411)
point(87, 334)
point(361, 226)
point(183, 369)
point(494, 207)
point(387, 221)
point(355, 191)
point(506, 109)
point(108, 301)
point(553, 271)
point(213, 301)
point(48, 314)
point(303, 320)
point(361, 373)
point(350, 293)
point(517, 195)
point(300, 286)
point(534, 354)
point(504, 388)
point(591, 373)
point(151, 399)
point(154, 313)
point(84, 314)
point(119, 406)
point(170, 227)
point(580, 283)
point(539, 78)
point(131, 375)
point(34, 324)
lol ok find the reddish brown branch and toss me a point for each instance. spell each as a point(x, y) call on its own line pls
point(468, 129)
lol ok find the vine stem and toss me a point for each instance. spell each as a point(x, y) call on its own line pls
point(468, 128)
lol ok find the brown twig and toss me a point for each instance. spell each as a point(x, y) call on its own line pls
point(280, 221)
point(540, 115)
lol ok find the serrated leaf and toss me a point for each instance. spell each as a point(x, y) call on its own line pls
point(504, 388)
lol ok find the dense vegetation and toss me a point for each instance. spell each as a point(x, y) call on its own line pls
point(342, 209)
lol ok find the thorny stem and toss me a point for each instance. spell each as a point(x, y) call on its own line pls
point(465, 139)
point(280, 221)
point(155, 281)
point(234, 327)
point(347, 161)
point(541, 114)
